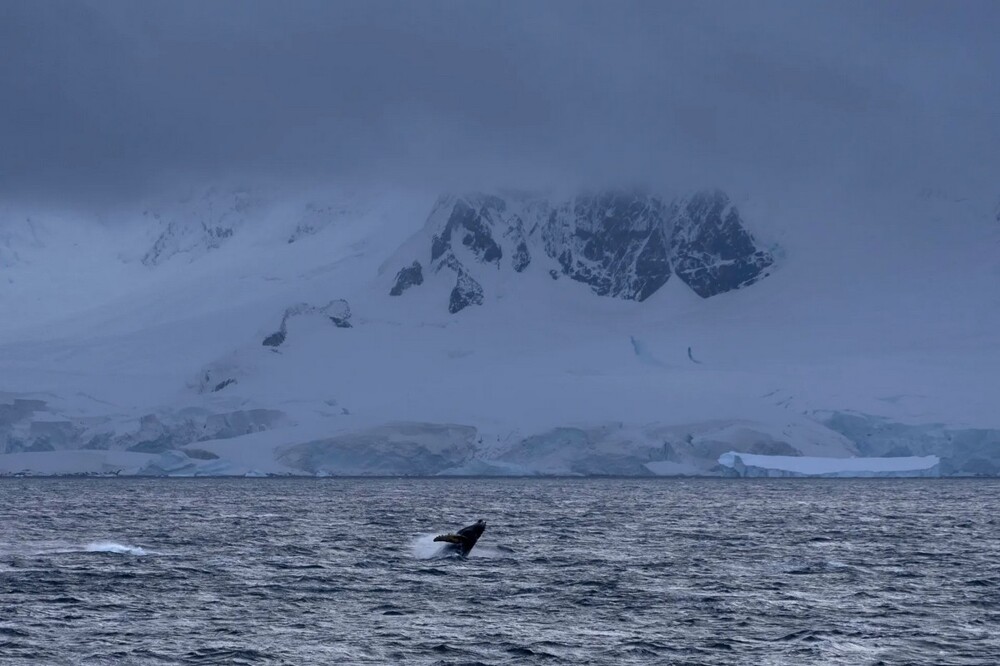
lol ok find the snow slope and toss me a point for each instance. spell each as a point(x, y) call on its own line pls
point(138, 339)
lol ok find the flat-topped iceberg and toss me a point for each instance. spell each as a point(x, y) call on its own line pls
point(754, 465)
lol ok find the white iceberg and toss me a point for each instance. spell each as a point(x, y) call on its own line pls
point(750, 464)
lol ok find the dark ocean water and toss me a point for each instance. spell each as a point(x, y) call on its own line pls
point(212, 571)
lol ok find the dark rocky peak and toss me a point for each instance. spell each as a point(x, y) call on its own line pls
point(480, 228)
point(712, 252)
point(612, 241)
point(521, 257)
point(621, 243)
point(471, 221)
point(605, 212)
point(466, 292)
point(411, 276)
point(337, 311)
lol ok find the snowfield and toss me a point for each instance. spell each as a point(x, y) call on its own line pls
point(250, 332)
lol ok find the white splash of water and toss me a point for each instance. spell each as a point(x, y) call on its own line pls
point(112, 547)
point(423, 547)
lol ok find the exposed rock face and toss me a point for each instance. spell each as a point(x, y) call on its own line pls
point(522, 257)
point(475, 226)
point(338, 311)
point(712, 251)
point(411, 276)
point(223, 384)
point(275, 339)
point(466, 292)
point(176, 239)
point(218, 375)
point(621, 244)
point(471, 227)
point(613, 242)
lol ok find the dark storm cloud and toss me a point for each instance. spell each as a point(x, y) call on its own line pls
point(108, 99)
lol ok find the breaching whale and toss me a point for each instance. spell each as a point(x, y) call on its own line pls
point(463, 541)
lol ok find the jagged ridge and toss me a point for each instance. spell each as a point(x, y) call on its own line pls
point(621, 244)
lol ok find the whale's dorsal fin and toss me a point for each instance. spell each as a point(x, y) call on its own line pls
point(450, 538)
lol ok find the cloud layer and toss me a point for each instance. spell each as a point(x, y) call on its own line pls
point(113, 99)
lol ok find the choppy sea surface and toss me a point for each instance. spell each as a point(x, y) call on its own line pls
point(596, 571)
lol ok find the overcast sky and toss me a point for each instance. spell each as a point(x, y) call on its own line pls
point(106, 100)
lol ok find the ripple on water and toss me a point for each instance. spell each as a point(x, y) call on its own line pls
point(570, 571)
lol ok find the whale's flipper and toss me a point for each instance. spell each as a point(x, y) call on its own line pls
point(450, 538)
point(466, 538)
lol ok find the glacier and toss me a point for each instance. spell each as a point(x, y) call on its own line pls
point(255, 331)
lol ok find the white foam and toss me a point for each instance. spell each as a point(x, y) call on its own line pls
point(112, 547)
point(424, 547)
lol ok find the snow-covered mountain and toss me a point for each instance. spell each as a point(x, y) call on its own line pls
point(248, 330)
point(622, 244)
